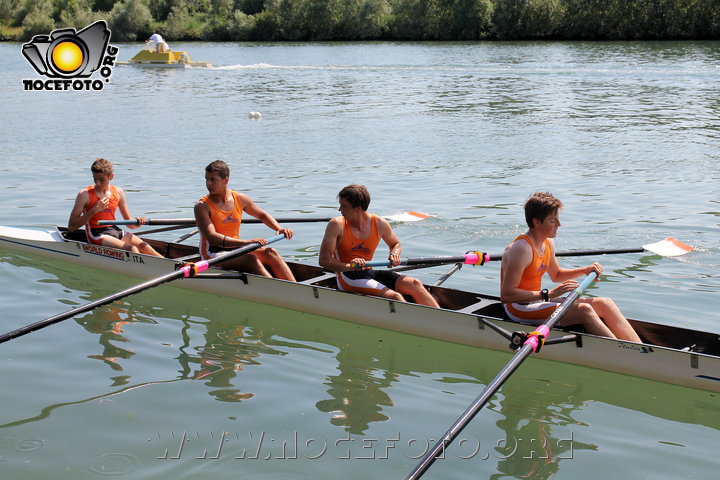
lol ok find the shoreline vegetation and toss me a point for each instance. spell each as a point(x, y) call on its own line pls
point(349, 20)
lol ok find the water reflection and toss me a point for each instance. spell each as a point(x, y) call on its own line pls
point(238, 350)
point(358, 393)
point(540, 429)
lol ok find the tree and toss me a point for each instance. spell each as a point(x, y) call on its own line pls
point(130, 20)
point(38, 20)
point(78, 14)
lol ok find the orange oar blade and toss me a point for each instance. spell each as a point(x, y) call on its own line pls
point(668, 248)
point(409, 216)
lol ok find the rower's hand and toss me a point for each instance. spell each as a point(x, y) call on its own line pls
point(140, 222)
point(101, 205)
point(285, 231)
point(595, 267)
point(394, 259)
point(261, 241)
point(563, 288)
point(357, 263)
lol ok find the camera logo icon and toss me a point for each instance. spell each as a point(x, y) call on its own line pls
point(66, 53)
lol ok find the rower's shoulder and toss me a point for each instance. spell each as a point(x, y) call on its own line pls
point(338, 221)
point(519, 246)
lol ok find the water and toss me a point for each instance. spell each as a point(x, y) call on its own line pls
point(170, 385)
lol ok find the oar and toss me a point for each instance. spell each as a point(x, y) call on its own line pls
point(409, 216)
point(190, 270)
point(532, 344)
point(666, 248)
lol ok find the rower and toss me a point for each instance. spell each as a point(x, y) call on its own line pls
point(351, 239)
point(529, 256)
point(99, 202)
point(218, 216)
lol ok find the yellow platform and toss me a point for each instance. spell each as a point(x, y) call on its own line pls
point(146, 58)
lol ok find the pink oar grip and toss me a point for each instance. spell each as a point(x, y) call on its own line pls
point(533, 340)
point(200, 266)
point(476, 258)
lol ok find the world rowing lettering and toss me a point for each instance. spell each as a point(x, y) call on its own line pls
point(112, 253)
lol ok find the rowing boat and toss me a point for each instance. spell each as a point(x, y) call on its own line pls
point(669, 354)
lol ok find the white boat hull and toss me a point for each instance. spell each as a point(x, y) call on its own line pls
point(467, 325)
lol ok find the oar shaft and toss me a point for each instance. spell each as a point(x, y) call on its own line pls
point(528, 347)
point(185, 271)
point(476, 258)
point(472, 258)
point(191, 221)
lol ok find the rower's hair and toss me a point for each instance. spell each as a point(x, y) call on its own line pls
point(220, 167)
point(103, 166)
point(539, 205)
point(356, 195)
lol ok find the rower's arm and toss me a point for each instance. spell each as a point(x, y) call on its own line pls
point(328, 248)
point(251, 208)
point(123, 207)
point(515, 259)
point(78, 215)
point(559, 274)
point(392, 241)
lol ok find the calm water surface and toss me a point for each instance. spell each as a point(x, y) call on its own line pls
point(170, 385)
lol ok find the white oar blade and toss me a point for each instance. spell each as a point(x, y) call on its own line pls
point(407, 217)
point(668, 248)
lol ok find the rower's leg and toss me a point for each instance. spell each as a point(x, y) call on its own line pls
point(414, 287)
point(249, 263)
point(609, 312)
point(113, 242)
point(140, 245)
point(271, 258)
point(584, 314)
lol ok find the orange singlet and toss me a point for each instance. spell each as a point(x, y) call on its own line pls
point(367, 281)
point(225, 223)
point(531, 280)
point(351, 247)
point(532, 275)
point(108, 213)
point(93, 231)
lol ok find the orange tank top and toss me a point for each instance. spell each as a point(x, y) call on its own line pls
point(225, 222)
point(531, 279)
point(106, 214)
point(352, 247)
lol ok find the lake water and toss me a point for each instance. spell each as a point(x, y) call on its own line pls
point(170, 384)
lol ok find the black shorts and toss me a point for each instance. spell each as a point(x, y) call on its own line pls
point(95, 235)
point(368, 281)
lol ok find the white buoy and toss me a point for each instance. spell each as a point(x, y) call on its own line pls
point(255, 115)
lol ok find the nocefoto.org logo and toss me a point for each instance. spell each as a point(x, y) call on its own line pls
point(68, 57)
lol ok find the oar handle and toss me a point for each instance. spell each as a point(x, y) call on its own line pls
point(470, 258)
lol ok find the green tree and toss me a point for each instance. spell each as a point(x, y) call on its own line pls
point(373, 19)
point(78, 14)
point(9, 11)
point(38, 20)
point(182, 25)
point(267, 26)
point(130, 20)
